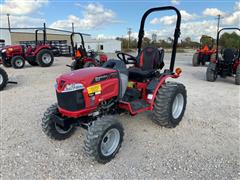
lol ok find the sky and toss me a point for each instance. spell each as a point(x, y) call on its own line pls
point(110, 19)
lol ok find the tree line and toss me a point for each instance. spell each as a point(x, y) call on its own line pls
point(231, 40)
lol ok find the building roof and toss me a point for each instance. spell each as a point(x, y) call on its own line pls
point(31, 29)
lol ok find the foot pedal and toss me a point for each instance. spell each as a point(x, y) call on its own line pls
point(139, 104)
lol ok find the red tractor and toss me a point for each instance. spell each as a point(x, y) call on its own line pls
point(228, 64)
point(92, 97)
point(82, 58)
point(204, 54)
point(16, 55)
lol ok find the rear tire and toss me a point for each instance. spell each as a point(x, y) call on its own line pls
point(195, 60)
point(51, 129)
point(45, 58)
point(237, 77)
point(88, 64)
point(18, 62)
point(211, 72)
point(169, 105)
point(104, 139)
point(3, 79)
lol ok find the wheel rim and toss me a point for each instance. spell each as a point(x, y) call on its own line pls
point(1, 79)
point(61, 130)
point(110, 142)
point(46, 58)
point(19, 62)
point(177, 106)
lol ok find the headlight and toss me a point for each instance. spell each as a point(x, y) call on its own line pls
point(9, 49)
point(73, 87)
point(4, 50)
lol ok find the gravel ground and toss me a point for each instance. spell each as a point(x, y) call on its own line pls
point(204, 146)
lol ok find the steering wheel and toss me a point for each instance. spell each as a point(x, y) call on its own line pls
point(126, 57)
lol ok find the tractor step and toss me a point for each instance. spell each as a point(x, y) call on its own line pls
point(138, 105)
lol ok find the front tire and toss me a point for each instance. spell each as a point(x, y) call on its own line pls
point(3, 79)
point(195, 60)
point(17, 62)
point(45, 58)
point(237, 77)
point(169, 105)
point(104, 139)
point(51, 129)
point(211, 72)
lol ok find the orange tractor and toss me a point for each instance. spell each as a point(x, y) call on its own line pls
point(203, 55)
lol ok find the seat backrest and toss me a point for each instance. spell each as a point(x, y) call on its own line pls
point(228, 55)
point(150, 58)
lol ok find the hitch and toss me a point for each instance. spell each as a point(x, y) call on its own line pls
point(12, 82)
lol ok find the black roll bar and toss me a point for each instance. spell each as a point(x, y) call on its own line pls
point(44, 34)
point(218, 37)
point(72, 41)
point(176, 33)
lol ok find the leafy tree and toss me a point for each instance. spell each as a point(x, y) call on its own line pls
point(230, 40)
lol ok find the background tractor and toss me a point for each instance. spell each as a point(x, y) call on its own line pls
point(226, 61)
point(16, 55)
point(203, 55)
point(83, 58)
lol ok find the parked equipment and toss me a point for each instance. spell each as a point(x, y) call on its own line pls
point(89, 97)
point(228, 64)
point(82, 58)
point(4, 79)
point(203, 55)
point(16, 55)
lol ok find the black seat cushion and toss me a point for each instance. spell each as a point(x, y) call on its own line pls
point(138, 74)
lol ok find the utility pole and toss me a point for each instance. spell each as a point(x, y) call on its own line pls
point(9, 25)
point(218, 21)
point(129, 36)
point(72, 27)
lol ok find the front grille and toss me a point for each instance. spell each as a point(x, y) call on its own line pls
point(71, 101)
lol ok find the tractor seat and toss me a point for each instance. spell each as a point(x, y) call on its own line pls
point(148, 61)
point(228, 55)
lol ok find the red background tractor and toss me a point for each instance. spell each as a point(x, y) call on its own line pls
point(16, 55)
point(89, 97)
point(82, 58)
point(228, 64)
point(203, 55)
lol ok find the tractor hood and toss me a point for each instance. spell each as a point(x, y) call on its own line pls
point(85, 76)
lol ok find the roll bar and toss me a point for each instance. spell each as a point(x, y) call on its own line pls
point(218, 36)
point(176, 33)
point(72, 42)
point(44, 34)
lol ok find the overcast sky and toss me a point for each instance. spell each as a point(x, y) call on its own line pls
point(109, 19)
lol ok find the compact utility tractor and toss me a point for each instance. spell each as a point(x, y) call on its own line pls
point(228, 64)
point(82, 58)
point(203, 55)
point(4, 79)
point(92, 97)
point(16, 55)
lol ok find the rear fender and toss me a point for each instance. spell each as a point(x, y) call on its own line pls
point(161, 82)
point(40, 48)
